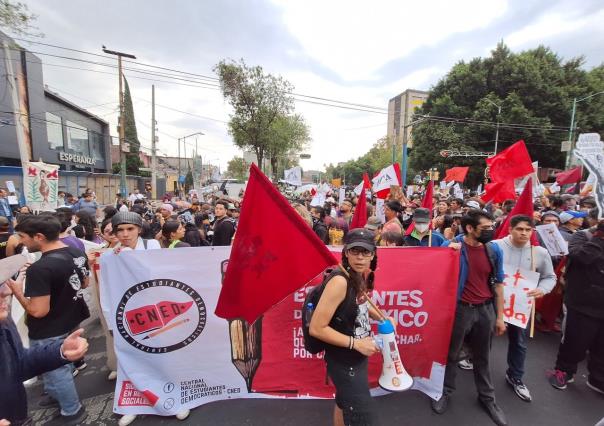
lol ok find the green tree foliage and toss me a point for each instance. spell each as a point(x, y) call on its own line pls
point(16, 18)
point(133, 162)
point(258, 100)
point(288, 136)
point(237, 168)
point(535, 90)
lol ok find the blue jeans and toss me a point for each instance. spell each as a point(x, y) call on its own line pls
point(59, 383)
point(516, 351)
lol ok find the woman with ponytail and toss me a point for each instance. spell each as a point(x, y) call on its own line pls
point(341, 320)
point(172, 232)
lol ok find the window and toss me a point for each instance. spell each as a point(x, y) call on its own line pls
point(77, 138)
point(98, 145)
point(54, 129)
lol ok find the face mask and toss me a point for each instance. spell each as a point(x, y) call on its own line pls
point(421, 227)
point(486, 235)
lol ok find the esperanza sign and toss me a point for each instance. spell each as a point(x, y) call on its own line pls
point(175, 353)
point(76, 158)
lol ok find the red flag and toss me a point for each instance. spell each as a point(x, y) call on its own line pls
point(569, 176)
point(457, 174)
point(270, 259)
point(360, 212)
point(498, 192)
point(523, 206)
point(427, 203)
point(511, 163)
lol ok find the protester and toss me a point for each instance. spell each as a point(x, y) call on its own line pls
point(318, 224)
point(346, 211)
point(5, 209)
point(65, 216)
point(4, 236)
point(223, 227)
point(54, 304)
point(20, 364)
point(172, 234)
point(518, 251)
point(421, 234)
point(88, 225)
point(479, 312)
point(391, 211)
point(391, 239)
point(86, 204)
point(341, 320)
point(584, 299)
point(571, 222)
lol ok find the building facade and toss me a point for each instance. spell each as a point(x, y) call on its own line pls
point(400, 113)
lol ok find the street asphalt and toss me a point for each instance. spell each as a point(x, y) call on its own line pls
point(578, 405)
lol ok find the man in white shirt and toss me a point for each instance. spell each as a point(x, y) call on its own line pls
point(136, 195)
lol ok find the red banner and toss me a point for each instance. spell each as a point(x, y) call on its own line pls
point(421, 299)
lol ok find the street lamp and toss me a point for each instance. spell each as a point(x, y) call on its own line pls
point(498, 115)
point(572, 125)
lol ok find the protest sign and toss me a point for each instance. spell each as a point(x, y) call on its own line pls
point(41, 185)
point(590, 150)
point(175, 353)
point(379, 210)
point(555, 244)
point(341, 195)
point(318, 199)
point(12, 200)
point(10, 185)
point(516, 304)
point(9, 266)
point(293, 176)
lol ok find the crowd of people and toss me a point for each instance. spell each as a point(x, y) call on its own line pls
point(570, 292)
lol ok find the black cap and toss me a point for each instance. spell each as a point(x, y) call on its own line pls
point(421, 215)
point(360, 237)
point(395, 205)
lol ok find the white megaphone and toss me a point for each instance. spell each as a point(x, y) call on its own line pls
point(394, 377)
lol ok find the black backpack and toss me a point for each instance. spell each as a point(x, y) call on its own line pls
point(312, 344)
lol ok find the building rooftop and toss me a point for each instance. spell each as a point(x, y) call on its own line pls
point(71, 105)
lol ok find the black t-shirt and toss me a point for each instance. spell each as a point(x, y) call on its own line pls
point(3, 241)
point(224, 229)
point(59, 273)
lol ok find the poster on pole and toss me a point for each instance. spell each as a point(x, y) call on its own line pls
point(555, 244)
point(293, 176)
point(41, 185)
point(516, 304)
point(590, 150)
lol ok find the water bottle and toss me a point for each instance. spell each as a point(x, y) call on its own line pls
point(310, 308)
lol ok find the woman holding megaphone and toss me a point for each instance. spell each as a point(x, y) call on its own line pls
point(341, 320)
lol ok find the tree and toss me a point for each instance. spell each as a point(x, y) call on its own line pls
point(287, 138)
point(237, 168)
point(258, 100)
point(16, 17)
point(133, 161)
point(534, 88)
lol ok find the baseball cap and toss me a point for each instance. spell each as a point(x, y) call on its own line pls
point(121, 218)
point(550, 213)
point(472, 204)
point(421, 215)
point(373, 223)
point(567, 215)
point(360, 237)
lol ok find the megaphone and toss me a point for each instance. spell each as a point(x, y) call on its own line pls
point(394, 377)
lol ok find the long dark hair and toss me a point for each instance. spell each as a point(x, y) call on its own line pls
point(356, 280)
point(167, 229)
point(88, 223)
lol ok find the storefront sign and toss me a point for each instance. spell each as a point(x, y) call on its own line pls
point(76, 158)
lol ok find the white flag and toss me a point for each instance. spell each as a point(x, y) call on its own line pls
point(293, 176)
point(385, 179)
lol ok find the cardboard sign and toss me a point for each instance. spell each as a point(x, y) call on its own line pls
point(516, 304)
point(379, 209)
point(555, 244)
point(342, 195)
point(10, 185)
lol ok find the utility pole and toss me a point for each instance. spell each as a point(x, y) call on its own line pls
point(178, 179)
point(153, 148)
point(123, 188)
point(25, 148)
point(573, 125)
point(498, 118)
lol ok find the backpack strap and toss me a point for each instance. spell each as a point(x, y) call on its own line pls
point(145, 243)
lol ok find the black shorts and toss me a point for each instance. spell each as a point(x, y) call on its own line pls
point(352, 392)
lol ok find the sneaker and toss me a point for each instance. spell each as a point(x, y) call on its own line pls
point(74, 419)
point(47, 401)
point(112, 375)
point(465, 364)
point(559, 379)
point(441, 405)
point(519, 387)
point(594, 387)
point(183, 414)
point(126, 419)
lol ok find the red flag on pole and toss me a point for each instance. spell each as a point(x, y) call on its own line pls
point(359, 219)
point(523, 206)
point(269, 259)
point(511, 163)
point(457, 174)
point(498, 192)
point(569, 176)
point(427, 203)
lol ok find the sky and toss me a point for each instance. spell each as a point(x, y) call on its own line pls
point(353, 51)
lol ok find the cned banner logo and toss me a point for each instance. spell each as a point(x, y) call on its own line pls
point(160, 316)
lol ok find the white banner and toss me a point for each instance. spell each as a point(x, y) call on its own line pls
point(293, 176)
point(516, 304)
point(590, 150)
point(385, 179)
point(41, 185)
point(341, 195)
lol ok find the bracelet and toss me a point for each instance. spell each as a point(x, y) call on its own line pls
point(352, 344)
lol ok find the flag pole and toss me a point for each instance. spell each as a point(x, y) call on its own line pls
point(532, 332)
point(431, 211)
